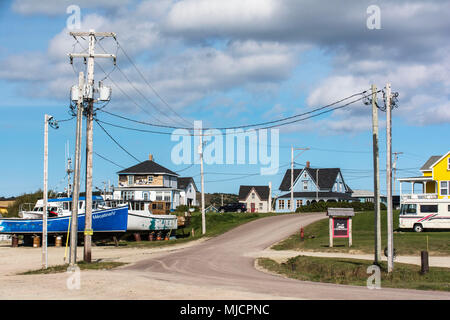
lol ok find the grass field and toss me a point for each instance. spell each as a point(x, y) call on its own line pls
point(405, 242)
point(106, 265)
point(354, 272)
point(216, 224)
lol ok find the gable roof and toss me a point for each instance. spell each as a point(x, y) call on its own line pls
point(183, 182)
point(147, 167)
point(430, 162)
point(262, 191)
point(326, 176)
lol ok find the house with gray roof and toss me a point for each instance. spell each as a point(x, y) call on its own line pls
point(188, 191)
point(312, 185)
point(256, 198)
point(148, 181)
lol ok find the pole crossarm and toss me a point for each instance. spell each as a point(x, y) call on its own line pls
point(96, 34)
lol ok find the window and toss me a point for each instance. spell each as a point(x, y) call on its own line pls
point(281, 204)
point(448, 163)
point(449, 208)
point(150, 179)
point(428, 208)
point(130, 180)
point(253, 195)
point(289, 204)
point(305, 185)
point(146, 196)
point(299, 203)
point(159, 196)
point(260, 206)
point(408, 209)
point(166, 196)
point(444, 188)
point(127, 195)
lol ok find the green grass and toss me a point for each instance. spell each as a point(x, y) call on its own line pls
point(100, 265)
point(354, 272)
point(216, 224)
point(405, 242)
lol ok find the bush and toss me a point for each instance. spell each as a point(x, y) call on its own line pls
point(323, 206)
point(184, 208)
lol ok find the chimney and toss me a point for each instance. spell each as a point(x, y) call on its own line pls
point(150, 157)
point(308, 164)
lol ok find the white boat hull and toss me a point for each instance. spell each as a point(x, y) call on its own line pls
point(139, 222)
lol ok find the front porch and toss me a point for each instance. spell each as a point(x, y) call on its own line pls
point(427, 188)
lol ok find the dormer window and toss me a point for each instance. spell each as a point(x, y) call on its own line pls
point(150, 179)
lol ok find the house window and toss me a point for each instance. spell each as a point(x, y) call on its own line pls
point(289, 204)
point(159, 196)
point(305, 185)
point(146, 196)
point(260, 206)
point(166, 196)
point(281, 204)
point(299, 203)
point(130, 180)
point(444, 188)
point(448, 163)
point(253, 195)
point(150, 179)
point(128, 195)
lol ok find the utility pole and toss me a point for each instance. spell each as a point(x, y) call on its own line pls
point(90, 56)
point(317, 188)
point(390, 232)
point(376, 176)
point(44, 211)
point(394, 169)
point(200, 151)
point(292, 177)
point(76, 175)
point(292, 173)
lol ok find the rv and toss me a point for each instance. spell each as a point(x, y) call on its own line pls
point(419, 214)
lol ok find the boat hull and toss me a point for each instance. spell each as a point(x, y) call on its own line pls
point(107, 220)
point(137, 222)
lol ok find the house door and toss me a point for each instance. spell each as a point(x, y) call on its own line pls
point(252, 206)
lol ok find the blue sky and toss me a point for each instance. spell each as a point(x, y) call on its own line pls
point(226, 63)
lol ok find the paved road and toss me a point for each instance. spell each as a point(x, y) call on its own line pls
point(226, 262)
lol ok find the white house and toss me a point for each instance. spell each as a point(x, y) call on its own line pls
point(188, 191)
point(256, 198)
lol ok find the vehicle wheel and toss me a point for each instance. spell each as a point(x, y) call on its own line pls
point(239, 210)
point(418, 227)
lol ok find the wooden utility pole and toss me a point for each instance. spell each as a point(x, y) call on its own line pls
point(200, 151)
point(394, 169)
point(390, 231)
point(376, 176)
point(76, 175)
point(44, 211)
point(90, 56)
point(292, 174)
point(292, 178)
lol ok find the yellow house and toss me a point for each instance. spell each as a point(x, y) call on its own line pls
point(435, 179)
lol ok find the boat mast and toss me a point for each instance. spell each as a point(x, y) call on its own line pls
point(68, 169)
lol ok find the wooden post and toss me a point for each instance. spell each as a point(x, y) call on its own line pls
point(390, 232)
point(350, 231)
point(424, 262)
point(331, 231)
point(376, 176)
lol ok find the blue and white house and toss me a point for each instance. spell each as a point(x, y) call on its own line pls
point(312, 185)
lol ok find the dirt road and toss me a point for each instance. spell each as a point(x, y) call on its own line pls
point(219, 268)
point(226, 262)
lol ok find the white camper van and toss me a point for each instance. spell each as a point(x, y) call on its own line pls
point(419, 214)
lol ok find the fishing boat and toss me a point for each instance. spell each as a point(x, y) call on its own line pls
point(104, 219)
point(148, 215)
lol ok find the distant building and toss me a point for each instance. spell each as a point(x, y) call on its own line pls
point(188, 191)
point(256, 198)
point(367, 196)
point(312, 185)
point(211, 208)
point(150, 181)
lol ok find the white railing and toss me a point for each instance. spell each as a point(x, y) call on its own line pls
point(420, 196)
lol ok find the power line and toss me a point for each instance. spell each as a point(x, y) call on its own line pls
point(115, 141)
point(110, 161)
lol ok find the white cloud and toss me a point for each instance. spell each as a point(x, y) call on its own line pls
point(58, 7)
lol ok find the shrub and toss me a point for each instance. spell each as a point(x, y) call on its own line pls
point(323, 206)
